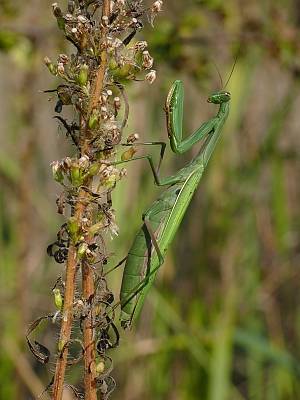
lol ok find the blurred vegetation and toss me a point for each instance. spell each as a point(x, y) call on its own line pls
point(223, 321)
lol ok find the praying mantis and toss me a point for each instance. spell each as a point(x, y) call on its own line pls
point(162, 219)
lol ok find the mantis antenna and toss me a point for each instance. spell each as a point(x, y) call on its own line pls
point(231, 72)
point(230, 75)
point(219, 74)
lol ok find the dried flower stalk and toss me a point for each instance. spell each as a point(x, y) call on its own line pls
point(94, 78)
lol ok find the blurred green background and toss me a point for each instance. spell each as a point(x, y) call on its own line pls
point(223, 321)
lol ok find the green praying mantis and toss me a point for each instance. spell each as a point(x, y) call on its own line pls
point(162, 219)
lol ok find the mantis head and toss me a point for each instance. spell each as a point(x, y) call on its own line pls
point(219, 97)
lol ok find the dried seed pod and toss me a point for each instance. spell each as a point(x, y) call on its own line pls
point(84, 162)
point(147, 60)
point(82, 19)
point(63, 58)
point(60, 69)
point(133, 138)
point(128, 154)
point(157, 6)
point(117, 103)
point(140, 45)
point(151, 76)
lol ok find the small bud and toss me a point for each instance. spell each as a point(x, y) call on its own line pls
point(128, 154)
point(82, 19)
point(57, 172)
point(93, 120)
point(117, 103)
point(104, 112)
point(52, 68)
point(60, 68)
point(76, 176)
point(73, 228)
point(94, 169)
point(100, 367)
point(74, 30)
point(82, 248)
point(133, 138)
point(83, 75)
point(151, 76)
point(61, 345)
point(104, 20)
point(147, 60)
point(58, 299)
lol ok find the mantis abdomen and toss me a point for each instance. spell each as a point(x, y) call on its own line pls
point(164, 216)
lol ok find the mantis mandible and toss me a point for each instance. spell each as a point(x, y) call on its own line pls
point(162, 219)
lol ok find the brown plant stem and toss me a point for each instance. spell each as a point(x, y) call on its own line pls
point(67, 320)
point(98, 82)
point(88, 337)
point(66, 325)
point(87, 274)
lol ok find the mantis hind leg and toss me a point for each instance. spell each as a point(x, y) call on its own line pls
point(144, 286)
point(116, 266)
point(153, 238)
